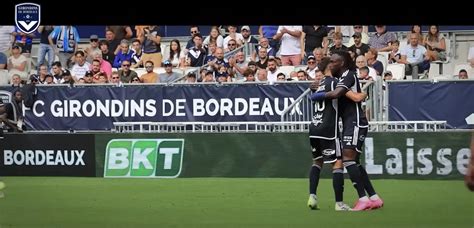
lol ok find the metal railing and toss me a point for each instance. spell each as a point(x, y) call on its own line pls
point(265, 127)
point(374, 106)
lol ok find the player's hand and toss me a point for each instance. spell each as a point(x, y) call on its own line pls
point(314, 85)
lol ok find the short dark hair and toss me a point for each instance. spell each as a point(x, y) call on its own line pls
point(364, 68)
point(463, 71)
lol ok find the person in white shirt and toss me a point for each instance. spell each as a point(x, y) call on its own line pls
point(290, 49)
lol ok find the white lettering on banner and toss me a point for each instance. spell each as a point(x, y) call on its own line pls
point(241, 102)
point(180, 107)
point(44, 157)
point(35, 111)
point(167, 103)
point(168, 152)
point(254, 106)
point(198, 107)
point(448, 166)
point(427, 163)
point(141, 157)
point(394, 165)
point(370, 165)
point(462, 160)
point(118, 158)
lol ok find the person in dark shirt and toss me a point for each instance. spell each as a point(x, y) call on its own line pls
point(324, 137)
point(355, 127)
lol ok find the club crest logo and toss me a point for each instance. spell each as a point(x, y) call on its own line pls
point(27, 17)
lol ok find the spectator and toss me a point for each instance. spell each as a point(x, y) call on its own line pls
point(151, 40)
point(358, 48)
point(338, 46)
point(463, 74)
point(233, 35)
point(312, 67)
point(414, 57)
point(281, 77)
point(176, 56)
point(137, 54)
point(364, 36)
point(417, 30)
point(196, 55)
point(169, 76)
point(249, 75)
point(126, 73)
point(194, 29)
point(93, 46)
point(66, 39)
point(113, 42)
point(362, 62)
point(208, 77)
point(23, 40)
point(371, 57)
point(262, 75)
point(394, 55)
point(116, 79)
point(43, 71)
point(135, 79)
point(268, 32)
point(248, 39)
point(107, 55)
point(382, 38)
point(17, 63)
point(231, 46)
point(262, 61)
point(211, 53)
point(67, 77)
point(104, 65)
point(291, 50)
point(57, 71)
point(121, 32)
point(16, 81)
point(88, 77)
point(190, 78)
point(435, 44)
point(364, 74)
point(214, 38)
point(81, 67)
point(314, 36)
point(125, 54)
point(150, 76)
point(302, 76)
point(272, 70)
point(238, 66)
point(45, 48)
point(263, 43)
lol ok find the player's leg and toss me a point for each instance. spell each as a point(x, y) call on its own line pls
point(349, 155)
point(314, 173)
point(374, 198)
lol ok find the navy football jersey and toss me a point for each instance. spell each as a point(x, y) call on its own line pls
point(350, 111)
point(324, 122)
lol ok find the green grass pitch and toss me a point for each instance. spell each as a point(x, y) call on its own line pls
point(225, 202)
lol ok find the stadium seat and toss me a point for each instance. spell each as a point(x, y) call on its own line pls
point(140, 71)
point(4, 77)
point(383, 58)
point(398, 70)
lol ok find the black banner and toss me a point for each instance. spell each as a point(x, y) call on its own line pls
point(47, 155)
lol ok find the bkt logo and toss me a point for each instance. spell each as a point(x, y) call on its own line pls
point(27, 17)
point(144, 158)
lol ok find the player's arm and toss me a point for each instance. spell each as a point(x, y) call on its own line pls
point(356, 97)
point(338, 92)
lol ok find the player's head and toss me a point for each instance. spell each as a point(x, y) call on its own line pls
point(340, 62)
point(324, 64)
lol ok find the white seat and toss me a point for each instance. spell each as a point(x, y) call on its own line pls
point(140, 71)
point(383, 58)
point(4, 77)
point(398, 70)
